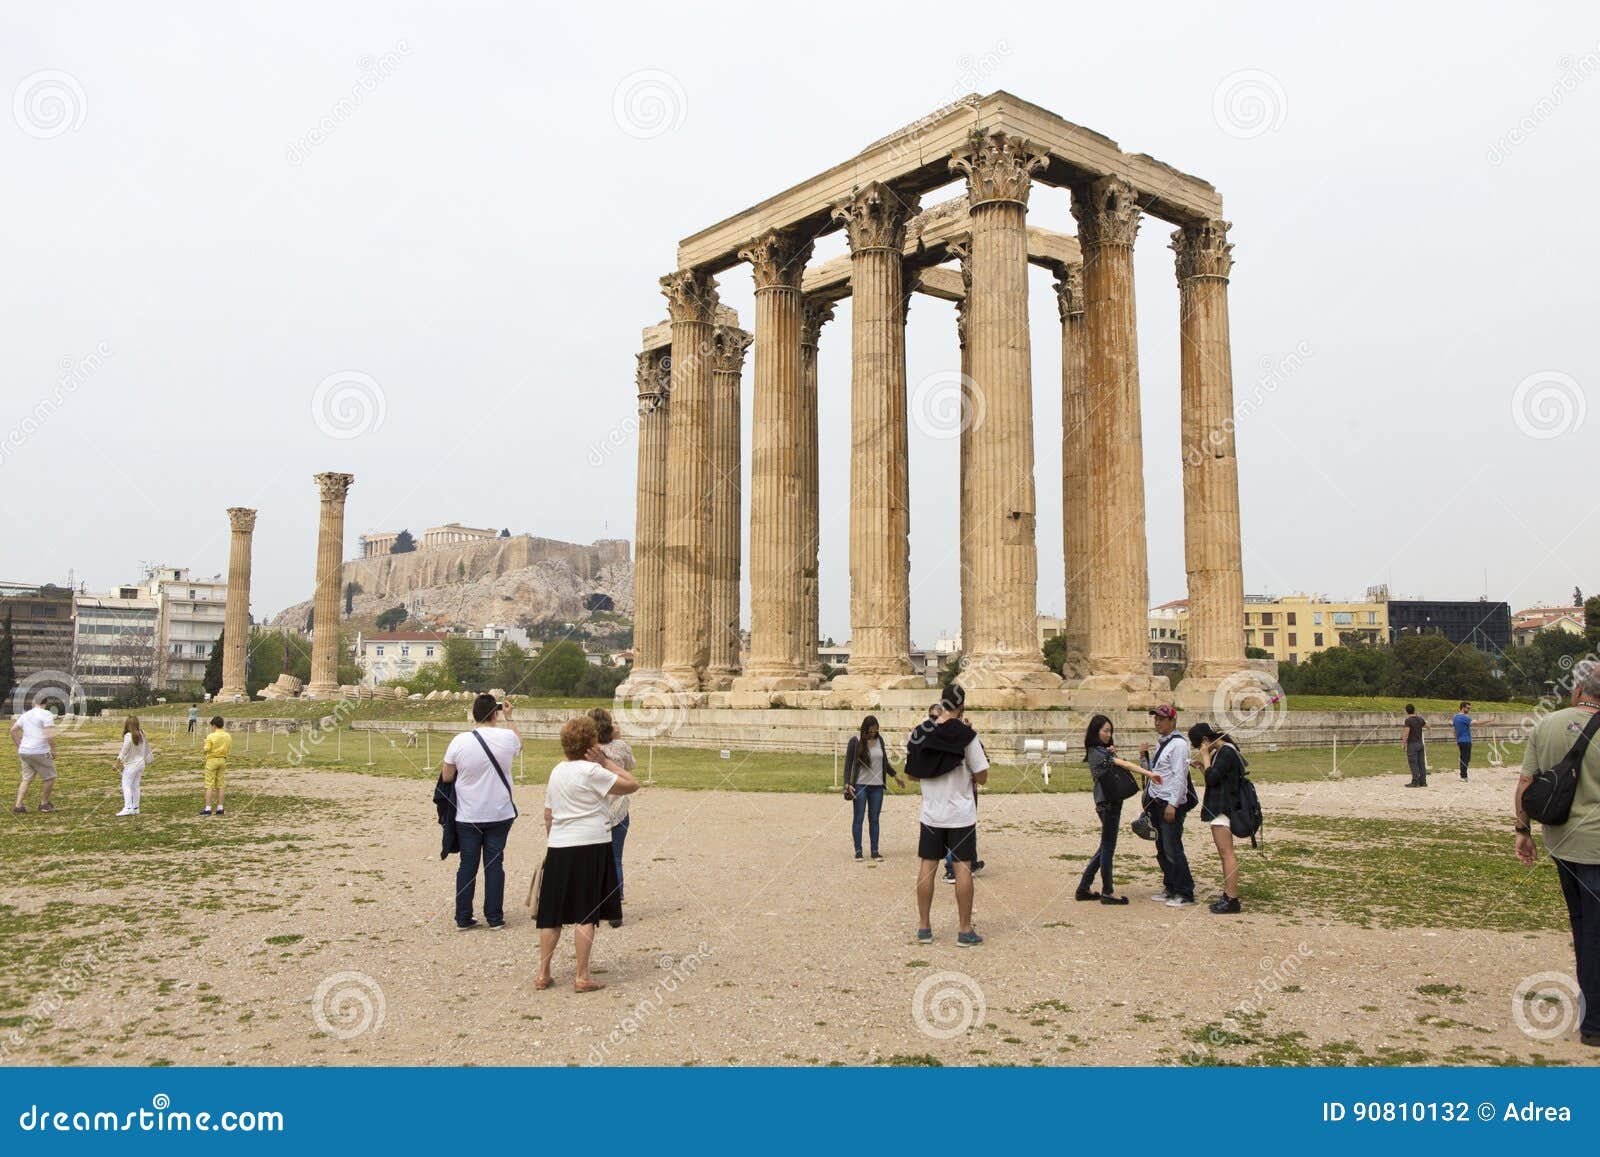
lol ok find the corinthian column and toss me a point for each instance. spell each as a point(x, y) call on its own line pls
point(1002, 578)
point(650, 527)
point(236, 615)
point(815, 315)
point(325, 606)
point(686, 646)
point(727, 363)
point(1077, 539)
point(777, 651)
point(1212, 552)
point(880, 524)
point(1119, 582)
point(962, 251)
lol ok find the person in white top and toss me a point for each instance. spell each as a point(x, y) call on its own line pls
point(578, 884)
point(947, 760)
point(133, 757)
point(618, 751)
point(34, 734)
point(1169, 806)
point(478, 762)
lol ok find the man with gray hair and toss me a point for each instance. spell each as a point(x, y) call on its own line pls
point(1575, 844)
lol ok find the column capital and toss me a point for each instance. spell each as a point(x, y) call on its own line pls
point(334, 486)
point(815, 313)
point(1069, 289)
point(778, 258)
point(728, 346)
point(1107, 212)
point(1203, 249)
point(875, 217)
point(997, 167)
point(650, 380)
point(691, 296)
point(242, 519)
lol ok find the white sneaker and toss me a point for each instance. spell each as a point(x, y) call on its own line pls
point(1180, 902)
point(1161, 897)
point(128, 811)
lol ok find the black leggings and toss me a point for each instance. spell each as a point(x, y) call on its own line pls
point(1110, 814)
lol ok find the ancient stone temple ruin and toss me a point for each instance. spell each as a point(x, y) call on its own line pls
point(973, 250)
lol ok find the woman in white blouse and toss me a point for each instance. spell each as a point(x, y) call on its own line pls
point(133, 757)
point(618, 751)
point(578, 884)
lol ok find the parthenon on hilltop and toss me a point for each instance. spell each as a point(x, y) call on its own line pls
point(973, 250)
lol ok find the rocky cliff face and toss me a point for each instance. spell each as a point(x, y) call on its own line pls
point(503, 580)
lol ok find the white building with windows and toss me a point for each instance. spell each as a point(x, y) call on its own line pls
point(114, 641)
point(189, 618)
point(393, 655)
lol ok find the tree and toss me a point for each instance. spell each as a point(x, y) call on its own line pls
point(1591, 625)
point(559, 668)
point(350, 590)
point(505, 532)
point(1577, 596)
point(391, 619)
point(511, 668)
point(1430, 666)
point(599, 681)
point(951, 670)
point(1357, 670)
point(462, 662)
point(212, 679)
point(1055, 653)
point(403, 543)
point(1257, 653)
point(8, 659)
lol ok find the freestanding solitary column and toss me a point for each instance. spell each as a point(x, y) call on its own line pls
point(330, 561)
point(1003, 577)
point(816, 314)
point(1212, 551)
point(1077, 538)
point(880, 519)
point(1119, 582)
point(650, 530)
point(726, 366)
point(692, 305)
point(236, 615)
point(777, 653)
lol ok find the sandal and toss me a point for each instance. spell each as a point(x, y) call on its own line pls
point(1081, 894)
point(1113, 899)
point(541, 983)
point(586, 986)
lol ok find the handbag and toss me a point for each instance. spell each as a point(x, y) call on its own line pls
point(1548, 798)
point(1118, 784)
point(534, 886)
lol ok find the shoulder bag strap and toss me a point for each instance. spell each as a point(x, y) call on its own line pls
point(496, 763)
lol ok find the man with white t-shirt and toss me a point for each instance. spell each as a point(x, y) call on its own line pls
point(478, 762)
point(947, 760)
point(34, 734)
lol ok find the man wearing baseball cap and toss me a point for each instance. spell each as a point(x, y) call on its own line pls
point(1168, 807)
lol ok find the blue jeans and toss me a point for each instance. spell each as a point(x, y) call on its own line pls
point(619, 836)
point(1110, 813)
point(868, 802)
point(486, 842)
point(1175, 874)
point(1580, 887)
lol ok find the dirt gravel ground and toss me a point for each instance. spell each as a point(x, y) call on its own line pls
point(754, 937)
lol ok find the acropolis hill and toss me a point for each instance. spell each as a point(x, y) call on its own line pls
point(473, 583)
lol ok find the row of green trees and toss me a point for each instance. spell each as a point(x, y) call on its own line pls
point(560, 669)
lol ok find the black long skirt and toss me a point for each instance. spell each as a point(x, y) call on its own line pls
point(580, 886)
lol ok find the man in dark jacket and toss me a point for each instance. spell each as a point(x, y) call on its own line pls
point(948, 762)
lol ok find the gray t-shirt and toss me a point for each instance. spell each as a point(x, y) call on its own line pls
point(871, 774)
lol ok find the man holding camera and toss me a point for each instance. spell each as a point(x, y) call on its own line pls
point(478, 763)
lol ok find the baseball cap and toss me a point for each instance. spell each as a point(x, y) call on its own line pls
point(1165, 711)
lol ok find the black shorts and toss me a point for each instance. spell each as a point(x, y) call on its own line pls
point(962, 843)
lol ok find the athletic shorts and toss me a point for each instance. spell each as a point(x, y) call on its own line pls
point(962, 843)
point(42, 765)
point(215, 775)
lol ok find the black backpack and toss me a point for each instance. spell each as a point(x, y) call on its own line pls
point(1548, 798)
point(1246, 819)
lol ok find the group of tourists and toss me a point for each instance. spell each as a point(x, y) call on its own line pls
point(1415, 745)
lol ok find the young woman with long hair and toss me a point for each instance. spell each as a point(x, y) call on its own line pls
point(1223, 765)
point(866, 770)
point(1100, 753)
point(131, 759)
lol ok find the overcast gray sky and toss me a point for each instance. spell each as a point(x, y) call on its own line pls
point(471, 242)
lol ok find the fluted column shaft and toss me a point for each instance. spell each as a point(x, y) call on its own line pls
point(1119, 582)
point(650, 530)
point(726, 368)
point(236, 611)
point(816, 314)
point(686, 642)
point(330, 562)
point(1212, 551)
point(777, 652)
point(880, 522)
point(969, 401)
point(1001, 581)
point(1077, 532)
